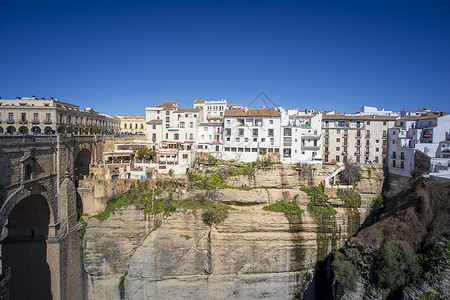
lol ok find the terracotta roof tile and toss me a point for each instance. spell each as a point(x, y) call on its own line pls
point(252, 112)
point(155, 121)
point(167, 105)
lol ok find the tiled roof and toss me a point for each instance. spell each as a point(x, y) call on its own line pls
point(252, 112)
point(155, 121)
point(234, 105)
point(199, 101)
point(167, 105)
point(187, 110)
point(300, 117)
point(418, 117)
point(359, 117)
point(131, 117)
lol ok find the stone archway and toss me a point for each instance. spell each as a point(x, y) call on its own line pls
point(61, 129)
point(82, 163)
point(24, 249)
point(48, 130)
point(10, 130)
point(36, 129)
point(23, 129)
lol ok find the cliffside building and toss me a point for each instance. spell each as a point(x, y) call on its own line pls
point(251, 134)
point(355, 138)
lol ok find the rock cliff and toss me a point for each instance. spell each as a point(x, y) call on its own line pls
point(254, 253)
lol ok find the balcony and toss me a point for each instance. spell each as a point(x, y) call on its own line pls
point(48, 122)
point(9, 121)
point(35, 121)
point(357, 153)
point(23, 122)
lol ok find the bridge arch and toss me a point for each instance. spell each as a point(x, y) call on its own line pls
point(82, 161)
point(25, 218)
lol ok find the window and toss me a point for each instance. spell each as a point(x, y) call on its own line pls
point(338, 131)
point(227, 131)
point(263, 140)
point(182, 125)
point(233, 149)
point(337, 158)
point(287, 132)
point(286, 152)
point(154, 137)
point(255, 132)
point(402, 155)
point(338, 148)
point(167, 112)
point(241, 132)
point(240, 149)
point(402, 164)
point(191, 136)
point(238, 139)
point(270, 132)
point(270, 121)
point(176, 136)
point(48, 117)
point(240, 122)
point(368, 122)
point(384, 133)
point(36, 117)
point(185, 156)
point(254, 150)
point(24, 117)
point(228, 121)
point(227, 149)
point(247, 149)
point(377, 149)
point(154, 126)
point(338, 140)
point(377, 141)
point(167, 119)
point(384, 123)
point(255, 139)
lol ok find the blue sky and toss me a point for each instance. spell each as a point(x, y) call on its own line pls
point(121, 56)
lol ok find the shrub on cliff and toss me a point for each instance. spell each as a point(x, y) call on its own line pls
point(215, 213)
point(351, 173)
point(395, 267)
point(346, 273)
point(289, 208)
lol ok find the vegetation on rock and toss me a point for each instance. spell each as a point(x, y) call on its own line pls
point(346, 273)
point(215, 213)
point(350, 198)
point(289, 208)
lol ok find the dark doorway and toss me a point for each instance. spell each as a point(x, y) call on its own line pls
point(82, 163)
point(24, 250)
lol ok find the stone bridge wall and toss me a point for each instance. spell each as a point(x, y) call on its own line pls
point(44, 165)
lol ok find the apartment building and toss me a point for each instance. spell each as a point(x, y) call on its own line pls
point(34, 115)
point(172, 131)
point(355, 138)
point(417, 135)
point(132, 124)
point(210, 139)
point(301, 136)
point(251, 134)
point(212, 111)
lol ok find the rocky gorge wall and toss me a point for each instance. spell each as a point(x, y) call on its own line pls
point(254, 253)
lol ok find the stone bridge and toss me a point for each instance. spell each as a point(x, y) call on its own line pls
point(39, 215)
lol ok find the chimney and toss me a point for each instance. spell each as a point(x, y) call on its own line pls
point(246, 109)
point(18, 98)
point(34, 97)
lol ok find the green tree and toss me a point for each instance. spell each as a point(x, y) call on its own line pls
point(346, 273)
point(395, 267)
point(146, 153)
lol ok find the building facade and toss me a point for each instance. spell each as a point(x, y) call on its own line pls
point(251, 134)
point(355, 138)
point(37, 116)
point(132, 124)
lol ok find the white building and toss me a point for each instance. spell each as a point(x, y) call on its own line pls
point(210, 139)
point(251, 134)
point(172, 131)
point(414, 133)
point(301, 136)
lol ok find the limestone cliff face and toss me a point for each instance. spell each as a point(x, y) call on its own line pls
point(254, 253)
